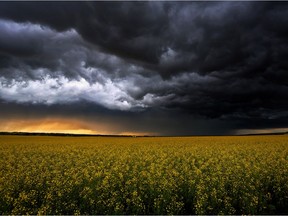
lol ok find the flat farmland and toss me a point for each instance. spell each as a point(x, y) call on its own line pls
point(144, 175)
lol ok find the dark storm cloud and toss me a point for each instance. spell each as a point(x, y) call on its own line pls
point(219, 61)
point(164, 122)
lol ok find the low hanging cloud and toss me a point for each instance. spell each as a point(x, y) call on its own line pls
point(222, 61)
point(61, 90)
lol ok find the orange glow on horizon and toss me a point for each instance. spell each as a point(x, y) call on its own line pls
point(61, 125)
point(51, 125)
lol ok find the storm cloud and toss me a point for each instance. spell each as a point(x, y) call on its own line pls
point(178, 68)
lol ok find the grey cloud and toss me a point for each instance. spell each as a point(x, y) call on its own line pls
point(14, 42)
point(68, 70)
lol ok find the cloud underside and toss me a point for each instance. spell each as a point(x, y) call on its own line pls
point(215, 61)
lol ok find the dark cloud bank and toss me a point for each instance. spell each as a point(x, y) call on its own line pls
point(174, 68)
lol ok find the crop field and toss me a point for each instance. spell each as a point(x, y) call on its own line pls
point(143, 175)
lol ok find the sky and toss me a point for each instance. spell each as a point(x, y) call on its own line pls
point(144, 68)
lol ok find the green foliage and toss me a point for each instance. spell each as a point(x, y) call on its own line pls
point(181, 175)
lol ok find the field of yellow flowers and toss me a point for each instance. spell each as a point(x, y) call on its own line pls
point(143, 175)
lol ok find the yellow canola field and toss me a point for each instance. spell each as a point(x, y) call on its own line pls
point(144, 175)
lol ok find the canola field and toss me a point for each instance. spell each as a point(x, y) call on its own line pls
point(143, 175)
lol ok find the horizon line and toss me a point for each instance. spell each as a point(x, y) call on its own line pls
point(128, 135)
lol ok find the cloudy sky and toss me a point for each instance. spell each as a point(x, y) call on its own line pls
point(156, 68)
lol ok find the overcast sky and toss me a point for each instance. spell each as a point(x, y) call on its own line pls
point(161, 68)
